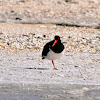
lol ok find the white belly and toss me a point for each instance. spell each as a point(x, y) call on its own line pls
point(53, 56)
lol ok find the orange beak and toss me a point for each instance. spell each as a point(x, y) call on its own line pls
point(54, 43)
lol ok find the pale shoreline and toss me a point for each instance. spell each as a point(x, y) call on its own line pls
point(30, 68)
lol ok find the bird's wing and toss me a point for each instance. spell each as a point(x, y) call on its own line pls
point(47, 48)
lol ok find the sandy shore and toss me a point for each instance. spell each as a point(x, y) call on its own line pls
point(69, 12)
point(25, 76)
point(25, 26)
point(30, 68)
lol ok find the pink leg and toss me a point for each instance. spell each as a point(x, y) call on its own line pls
point(54, 66)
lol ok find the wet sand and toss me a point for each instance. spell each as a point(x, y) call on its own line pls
point(49, 92)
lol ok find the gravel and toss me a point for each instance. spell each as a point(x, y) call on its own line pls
point(32, 38)
point(71, 12)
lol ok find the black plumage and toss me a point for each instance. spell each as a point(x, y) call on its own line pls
point(57, 48)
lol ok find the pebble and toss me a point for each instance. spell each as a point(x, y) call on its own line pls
point(76, 66)
point(44, 35)
point(32, 41)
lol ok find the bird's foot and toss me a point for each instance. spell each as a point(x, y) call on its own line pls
point(55, 69)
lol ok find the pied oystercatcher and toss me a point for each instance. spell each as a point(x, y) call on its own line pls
point(53, 50)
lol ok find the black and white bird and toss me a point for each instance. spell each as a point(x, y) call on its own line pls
point(53, 50)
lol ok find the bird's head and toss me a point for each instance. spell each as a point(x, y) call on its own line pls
point(56, 39)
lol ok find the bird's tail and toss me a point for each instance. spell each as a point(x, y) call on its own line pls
point(43, 57)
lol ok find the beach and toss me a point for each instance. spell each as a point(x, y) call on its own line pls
point(26, 26)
